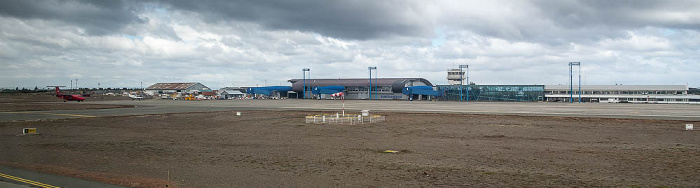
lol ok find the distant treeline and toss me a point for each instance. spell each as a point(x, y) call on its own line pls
point(43, 90)
point(24, 90)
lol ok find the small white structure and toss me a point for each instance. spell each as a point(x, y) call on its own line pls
point(689, 127)
point(365, 113)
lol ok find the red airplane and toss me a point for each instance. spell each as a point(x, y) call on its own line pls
point(65, 97)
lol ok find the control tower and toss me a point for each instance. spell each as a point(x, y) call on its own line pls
point(455, 77)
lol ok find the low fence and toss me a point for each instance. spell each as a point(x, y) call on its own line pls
point(344, 119)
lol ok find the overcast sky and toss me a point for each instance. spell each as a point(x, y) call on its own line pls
point(261, 42)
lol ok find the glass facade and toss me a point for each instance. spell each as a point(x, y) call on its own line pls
point(493, 92)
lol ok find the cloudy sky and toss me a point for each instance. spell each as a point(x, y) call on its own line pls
point(261, 42)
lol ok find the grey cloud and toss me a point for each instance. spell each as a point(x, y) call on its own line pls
point(623, 13)
point(552, 22)
point(341, 19)
point(96, 17)
point(255, 42)
point(563, 22)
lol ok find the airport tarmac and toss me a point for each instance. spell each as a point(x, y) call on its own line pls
point(598, 110)
point(20, 178)
point(270, 145)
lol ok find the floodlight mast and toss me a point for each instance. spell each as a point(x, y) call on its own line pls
point(461, 81)
point(571, 81)
point(370, 80)
point(304, 70)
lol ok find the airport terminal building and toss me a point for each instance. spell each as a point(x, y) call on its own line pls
point(456, 91)
point(666, 94)
point(422, 89)
point(382, 88)
point(492, 92)
point(391, 88)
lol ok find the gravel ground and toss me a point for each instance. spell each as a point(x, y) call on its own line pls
point(277, 149)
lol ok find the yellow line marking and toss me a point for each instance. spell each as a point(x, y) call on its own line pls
point(27, 181)
point(30, 112)
point(74, 115)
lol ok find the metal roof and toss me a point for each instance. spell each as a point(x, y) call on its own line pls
point(171, 86)
point(618, 87)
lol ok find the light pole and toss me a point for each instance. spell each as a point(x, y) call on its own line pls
point(571, 81)
point(461, 81)
point(370, 80)
point(303, 94)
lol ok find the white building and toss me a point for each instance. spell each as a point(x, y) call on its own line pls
point(231, 93)
point(621, 93)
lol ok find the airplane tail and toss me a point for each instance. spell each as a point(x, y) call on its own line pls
point(58, 91)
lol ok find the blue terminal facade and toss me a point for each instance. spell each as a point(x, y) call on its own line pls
point(328, 90)
point(493, 92)
point(270, 91)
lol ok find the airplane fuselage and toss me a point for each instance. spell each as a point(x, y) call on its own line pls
point(65, 98)
point(71, 97)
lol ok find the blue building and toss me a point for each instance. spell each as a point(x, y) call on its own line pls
point(359, 88)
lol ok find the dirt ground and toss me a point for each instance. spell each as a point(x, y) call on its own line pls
point(10, 102)
point(277, 149)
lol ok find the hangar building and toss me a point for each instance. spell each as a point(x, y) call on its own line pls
point(167, 88)
point(358, 88)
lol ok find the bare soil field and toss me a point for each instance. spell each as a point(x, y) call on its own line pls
point(44, 101)
point(277, 149)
